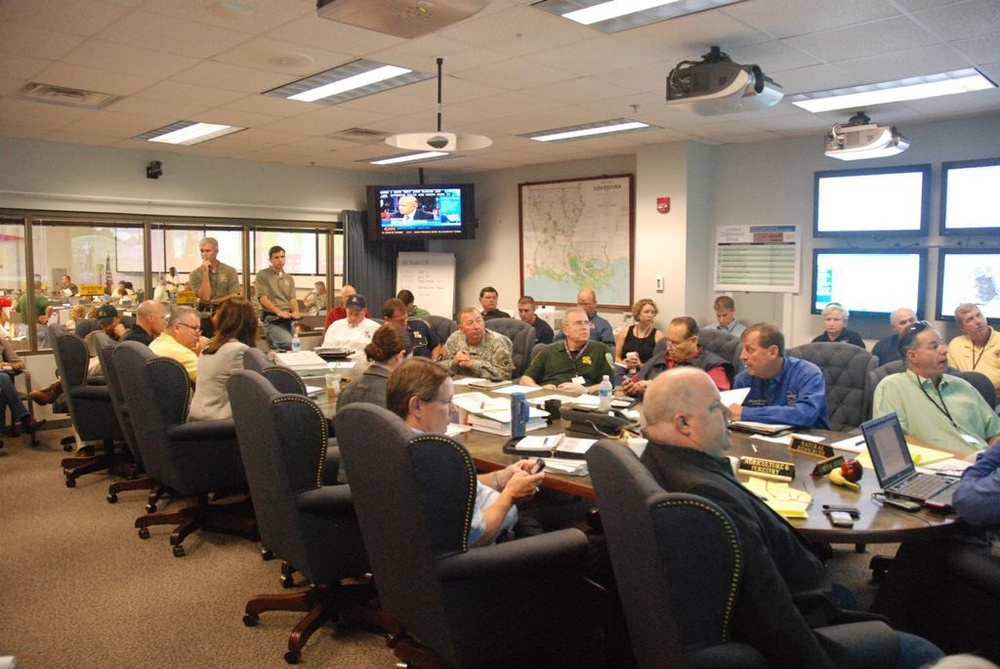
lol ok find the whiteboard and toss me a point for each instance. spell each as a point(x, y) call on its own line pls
point(431, 279)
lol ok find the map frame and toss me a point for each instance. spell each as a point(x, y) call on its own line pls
point(617, 228)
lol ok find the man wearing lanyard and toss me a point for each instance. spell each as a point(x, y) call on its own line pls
point(575, 359)
point(978, 349)
point(935, 407)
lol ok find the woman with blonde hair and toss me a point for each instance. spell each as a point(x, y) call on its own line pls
point(634, 346)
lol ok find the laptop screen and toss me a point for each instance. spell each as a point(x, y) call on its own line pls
point(887, 446)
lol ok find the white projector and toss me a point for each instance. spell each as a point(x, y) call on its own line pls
point(399, 18)
point(860, 142)
point(723, 87)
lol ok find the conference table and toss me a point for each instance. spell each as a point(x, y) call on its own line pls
point(876, 523)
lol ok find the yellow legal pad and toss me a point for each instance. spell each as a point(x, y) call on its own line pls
point(921, 456)
point(782, 498)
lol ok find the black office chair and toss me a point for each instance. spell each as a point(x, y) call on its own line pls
point(845, 370)
point(193, 459)
point(723, 344)
point(256, 359)
point(468, 606)
point(678, 565)
point(442, 326)
point(90, 410)
point(311, 526)
point(522, 338)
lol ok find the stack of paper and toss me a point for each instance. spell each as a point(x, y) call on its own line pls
point(303, 362)
point(564, 466)
point(782, 498)
point(559, 445)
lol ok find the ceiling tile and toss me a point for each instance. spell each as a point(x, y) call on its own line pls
point(164, 33)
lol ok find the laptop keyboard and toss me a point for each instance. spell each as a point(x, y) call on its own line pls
point(923, 486)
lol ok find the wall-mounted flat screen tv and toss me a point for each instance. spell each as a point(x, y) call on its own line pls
point(872, 282)
point(874, 201)
point(969, 275)
point(421, 212)
point(969, 197)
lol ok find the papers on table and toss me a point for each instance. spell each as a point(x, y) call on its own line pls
point(951, 466)
point(566, 466)
point(782, 498)
point(921, 455)
point(465, 380)
point(515, 388)
point(759, 428)
point(315, 391)
point(454, 429)
point(556, 443)
point(734, 396)
point(303, 362)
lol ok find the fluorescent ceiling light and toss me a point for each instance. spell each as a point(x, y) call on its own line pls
point(188, 132)
point(348, 82)
point(612, 16)
point(589, 130)
point(914, 88)
point(408, 158)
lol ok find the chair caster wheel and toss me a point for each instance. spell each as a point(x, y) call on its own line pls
point(266, 554)
point(287, 582)
point(143, 532)
point(70, 483)
point(251, 620)
point(178, 551)
point(68, 448)
point(293, 657)
point(151, 508)
point(112, 498)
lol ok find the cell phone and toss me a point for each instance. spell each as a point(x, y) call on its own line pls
point(907, 505)
point(840, 519)
point(538, 466)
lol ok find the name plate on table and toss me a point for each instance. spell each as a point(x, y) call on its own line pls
point(91, 290)
point(769, 469)
point(811, 448)
point(824, 467)
point(186, 297)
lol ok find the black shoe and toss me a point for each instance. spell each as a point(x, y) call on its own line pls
point(30, 425)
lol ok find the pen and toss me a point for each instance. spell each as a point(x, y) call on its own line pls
point(753, 446)
point(545, 441)
point(859, 442)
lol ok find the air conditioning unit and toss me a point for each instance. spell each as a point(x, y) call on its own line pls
point(860, 139)
point(717, 85)
point(399, 18)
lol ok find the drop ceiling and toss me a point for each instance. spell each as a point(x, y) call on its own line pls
point(512, 69)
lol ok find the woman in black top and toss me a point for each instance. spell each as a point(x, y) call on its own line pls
point(835, 327)
point(639, 339)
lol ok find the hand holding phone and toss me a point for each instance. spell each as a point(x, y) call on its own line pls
point(537, 466)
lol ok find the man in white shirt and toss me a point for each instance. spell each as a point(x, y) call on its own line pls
point(355, 331)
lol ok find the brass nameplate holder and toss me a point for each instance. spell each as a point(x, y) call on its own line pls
point(769, 469)
point(186, 297)
point(811, 448)
point(91, 290)
point(824, 467)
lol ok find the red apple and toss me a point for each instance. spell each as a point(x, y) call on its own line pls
point(852, 470)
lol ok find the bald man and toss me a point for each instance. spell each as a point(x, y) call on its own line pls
point(887, 349)
point(786, 590)
point(150, 321)
point(600, 329)
point(340, 311)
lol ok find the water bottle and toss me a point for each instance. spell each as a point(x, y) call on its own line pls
point(604, 394)
point(296, 343)
point(518, 414)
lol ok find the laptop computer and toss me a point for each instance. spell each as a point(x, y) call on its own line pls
point(894, 467)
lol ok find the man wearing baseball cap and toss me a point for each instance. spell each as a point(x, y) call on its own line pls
point(355, 331)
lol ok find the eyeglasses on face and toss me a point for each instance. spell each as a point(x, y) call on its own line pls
point(196, 328)
point(578, 324)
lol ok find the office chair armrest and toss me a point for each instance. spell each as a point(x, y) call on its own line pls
point(97, 381)
point(868, 644)
point(202, 430)
point(552, 551)
point(331, 466)
point(327, 499)
point(94, 393)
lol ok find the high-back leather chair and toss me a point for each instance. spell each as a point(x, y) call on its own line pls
point(522, 337)
point(678, 565)
point(90, 410)
point(469, 606)
point(256, 360)
point(442, 326)
point(845, 370)
point(192, 459)
point(311, 526)
point(723, 344)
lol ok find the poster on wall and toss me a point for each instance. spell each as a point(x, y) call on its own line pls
point(757, 258)
point(577, 234)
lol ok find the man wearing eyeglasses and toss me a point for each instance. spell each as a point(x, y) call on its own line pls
point(935, 407)
point(786, 591)
point(181, 339)
point(575, 359)
point(978, 348)
point(683, 350)
point(783, 390)
point(600, 329)
point(887, 349)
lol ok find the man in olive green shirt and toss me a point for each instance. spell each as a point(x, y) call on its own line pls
point(276, 294)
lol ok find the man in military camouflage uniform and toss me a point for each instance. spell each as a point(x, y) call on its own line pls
point(472, 350)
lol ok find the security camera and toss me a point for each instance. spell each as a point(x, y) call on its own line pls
point(437, 142)
point(154, 169)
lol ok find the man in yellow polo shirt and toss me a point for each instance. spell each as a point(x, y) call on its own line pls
point(181, 340)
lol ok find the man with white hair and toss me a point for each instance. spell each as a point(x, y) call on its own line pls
point(887, 349)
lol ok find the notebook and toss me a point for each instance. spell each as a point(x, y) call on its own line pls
point(894, 467)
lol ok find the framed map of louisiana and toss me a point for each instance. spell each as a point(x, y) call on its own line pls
point(577, 234)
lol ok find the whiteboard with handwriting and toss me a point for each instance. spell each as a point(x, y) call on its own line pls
point(431, 279)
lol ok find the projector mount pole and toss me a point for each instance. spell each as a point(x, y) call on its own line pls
point(440, 106)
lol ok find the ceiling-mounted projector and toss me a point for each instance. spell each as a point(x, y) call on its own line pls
point(399, 18)
point(717, 85)
point(860, 139)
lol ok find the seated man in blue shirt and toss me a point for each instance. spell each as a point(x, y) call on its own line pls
point(783, 390)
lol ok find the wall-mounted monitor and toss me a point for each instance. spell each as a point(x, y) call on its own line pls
point(969, 275)
point(872, 282)
point(968, 197)
point(421, 212)
point(874, 201)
